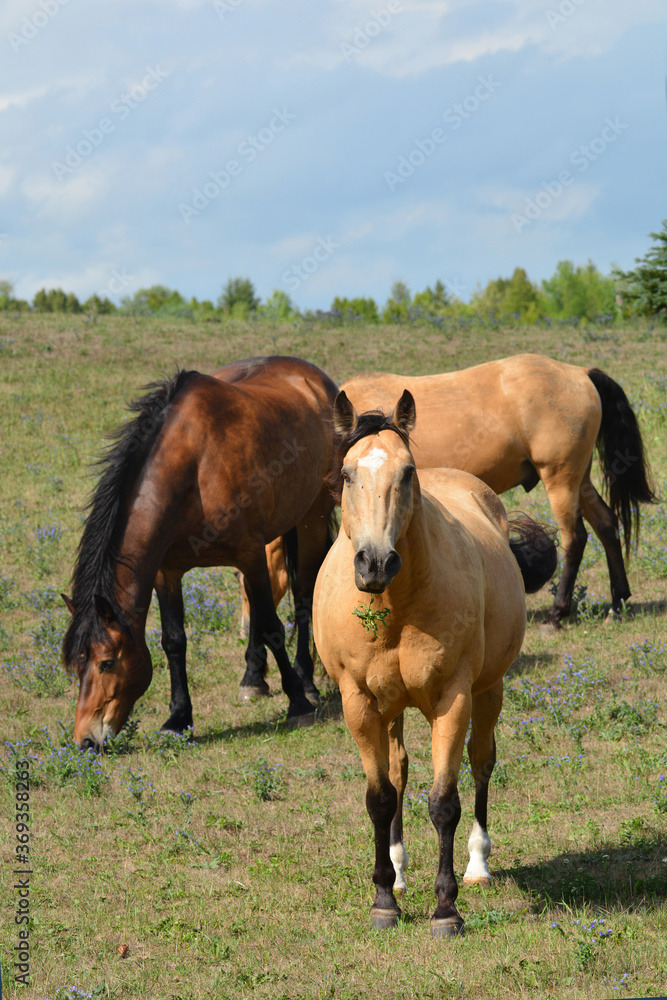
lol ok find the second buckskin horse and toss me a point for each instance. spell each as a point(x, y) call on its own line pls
point(210, 470)
point(521, 419)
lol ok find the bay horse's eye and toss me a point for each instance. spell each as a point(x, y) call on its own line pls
point(106, 665)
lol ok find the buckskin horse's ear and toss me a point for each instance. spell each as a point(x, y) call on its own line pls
point(405, 413)
point(68, 603)
point(345, 415)
point(105, 610)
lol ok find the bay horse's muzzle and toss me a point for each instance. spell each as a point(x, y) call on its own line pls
point(90, 744)
point(373, 570)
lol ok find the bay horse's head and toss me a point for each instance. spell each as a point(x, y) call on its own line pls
point(114, 669)
point(377, 491)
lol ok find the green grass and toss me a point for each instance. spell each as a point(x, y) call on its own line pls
point(239, 865)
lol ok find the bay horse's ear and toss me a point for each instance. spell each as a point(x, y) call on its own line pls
point(68, 603)
point(345, 415)
point(105, 610)
point(405, 413)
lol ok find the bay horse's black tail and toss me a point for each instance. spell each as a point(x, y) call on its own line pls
point(621, 451)
point(534, 548)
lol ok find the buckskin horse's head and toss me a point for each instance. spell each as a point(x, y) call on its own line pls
point(114, 669)
point(377, 487)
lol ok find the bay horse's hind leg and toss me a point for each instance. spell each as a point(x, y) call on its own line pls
point(563, 496)
point(313, 543)
point(398, 775)
point(174, 642)
point(266, 629)
point(605, 525)
point(448, 732)
point(482, 753)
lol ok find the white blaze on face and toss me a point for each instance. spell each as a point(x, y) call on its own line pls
point(374, 460)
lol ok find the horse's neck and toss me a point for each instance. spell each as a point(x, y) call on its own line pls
point(144, 543)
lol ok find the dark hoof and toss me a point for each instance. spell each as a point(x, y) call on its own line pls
point(300, 721)
point(445, 927)
point(383, 919)
point(313, 696)
point(249, 693)
point(177, 724)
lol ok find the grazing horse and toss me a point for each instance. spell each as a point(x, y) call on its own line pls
point(445, 620)
point(525, 418)
point(210, 470)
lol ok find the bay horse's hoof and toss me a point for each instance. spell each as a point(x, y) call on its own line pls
point(613, 617)
point(176, 725)
point(445, 927)
point(249, 693)
point(482, 880)
point(313, 696)
point(300, 721)
point(549, 628)
point(384, 919)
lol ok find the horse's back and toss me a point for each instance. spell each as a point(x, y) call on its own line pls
point(278, 373)
point(501, 420)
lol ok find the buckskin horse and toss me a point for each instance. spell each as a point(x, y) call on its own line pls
point(521, 419)
point(210, 470)
point(446, 619)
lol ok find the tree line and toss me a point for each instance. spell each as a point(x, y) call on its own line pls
point(573, 293)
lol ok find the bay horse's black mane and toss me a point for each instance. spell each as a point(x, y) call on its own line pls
point(97, 557)
point(371, 422)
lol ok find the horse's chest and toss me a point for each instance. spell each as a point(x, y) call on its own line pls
point(406, 673)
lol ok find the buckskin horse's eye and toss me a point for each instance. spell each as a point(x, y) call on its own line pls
point(106, 665)
point(408, 473)
point(345, 476)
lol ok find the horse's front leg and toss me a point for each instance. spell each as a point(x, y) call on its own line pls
point(174, 642)
point(371, 736)
point(448, 731)
point(398, 774)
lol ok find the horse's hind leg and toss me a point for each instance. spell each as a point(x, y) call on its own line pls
point(605, 525)
point(312, 546)
point(398, 775)
point(266, 629)
point(174, 642)
point(482, 753)
point(563, 496)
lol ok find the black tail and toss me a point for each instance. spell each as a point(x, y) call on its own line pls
point(621, 451)
point(534, 548)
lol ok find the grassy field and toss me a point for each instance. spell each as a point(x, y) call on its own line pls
point(239, 864)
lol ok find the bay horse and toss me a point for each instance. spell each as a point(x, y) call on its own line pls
point(210, 470)
point(446, 619)
point(528, 418)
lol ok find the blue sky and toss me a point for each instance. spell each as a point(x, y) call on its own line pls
point(326, 149)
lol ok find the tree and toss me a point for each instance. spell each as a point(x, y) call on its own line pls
point(356, 308)
point(433, 301)
point(98, 306)
point(55, 301)
point(579, 292)
point(238, 298)
point(279, 306)
point(512, 296)
point(644, 290)
point(397, 307)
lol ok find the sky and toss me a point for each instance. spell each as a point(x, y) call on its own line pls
point(327, 148)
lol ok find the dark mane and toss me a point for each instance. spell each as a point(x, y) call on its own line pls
point(371, 422)
point(97, 557)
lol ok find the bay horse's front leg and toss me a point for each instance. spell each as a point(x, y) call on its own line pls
point(174, 642)
point(371, 736)
point(482, 753)
point(448, 731)
point(266, 629)
point(398, 774)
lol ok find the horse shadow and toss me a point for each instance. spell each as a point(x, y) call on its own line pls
point(626, 876)
point(526, 663)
